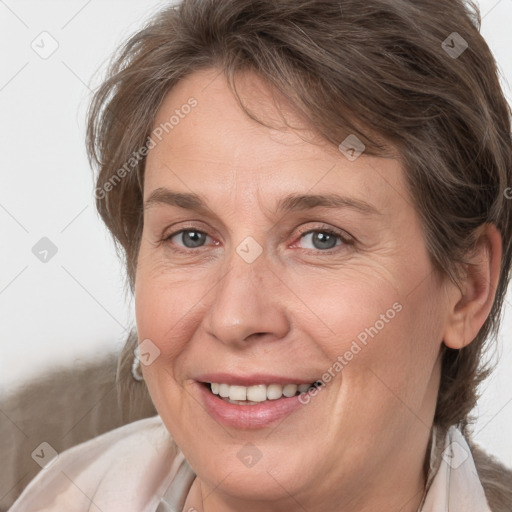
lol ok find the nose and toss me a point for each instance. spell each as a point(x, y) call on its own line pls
point(247, 304)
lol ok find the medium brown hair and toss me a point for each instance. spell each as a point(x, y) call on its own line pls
point(344, 65)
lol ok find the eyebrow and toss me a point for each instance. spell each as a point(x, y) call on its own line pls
point(292, 202)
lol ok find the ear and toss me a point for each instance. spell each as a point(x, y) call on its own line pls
point(472, 303)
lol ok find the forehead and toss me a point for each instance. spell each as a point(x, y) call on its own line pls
point(215, 146)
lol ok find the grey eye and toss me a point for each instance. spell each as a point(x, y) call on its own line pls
point(321, 239)
point(191, 238)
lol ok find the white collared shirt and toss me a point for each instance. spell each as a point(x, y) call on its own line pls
point(127, 470)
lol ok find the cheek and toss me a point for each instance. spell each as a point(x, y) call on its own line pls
point(381, 343)
point(169, 304)
point(151, 304)
point(393, 372)
point(348, 310)
point(161, 315)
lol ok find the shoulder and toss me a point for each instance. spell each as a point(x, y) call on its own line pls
point(125, 469)
point(496, 479)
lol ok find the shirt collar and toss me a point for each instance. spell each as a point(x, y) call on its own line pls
point(453, 484)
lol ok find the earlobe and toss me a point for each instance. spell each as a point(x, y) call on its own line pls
point(473, 302)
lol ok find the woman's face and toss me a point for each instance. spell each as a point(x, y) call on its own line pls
point(282, 263)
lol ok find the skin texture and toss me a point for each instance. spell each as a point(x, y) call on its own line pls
point(360, 443)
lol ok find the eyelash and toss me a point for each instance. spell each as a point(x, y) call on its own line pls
point(342, 236)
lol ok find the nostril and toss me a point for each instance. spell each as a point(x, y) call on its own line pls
point(256, 335)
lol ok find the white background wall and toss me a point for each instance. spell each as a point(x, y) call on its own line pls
point(73, 307)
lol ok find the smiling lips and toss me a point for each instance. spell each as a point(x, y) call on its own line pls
point(225, 397)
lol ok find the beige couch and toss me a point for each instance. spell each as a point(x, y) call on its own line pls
point(63, 408)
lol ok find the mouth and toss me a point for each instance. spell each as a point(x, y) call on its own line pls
point(257, 394)
point(252, 401)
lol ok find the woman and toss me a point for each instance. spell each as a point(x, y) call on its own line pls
point(312, 202)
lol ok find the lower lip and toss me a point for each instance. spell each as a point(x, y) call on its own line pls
point(248, 416)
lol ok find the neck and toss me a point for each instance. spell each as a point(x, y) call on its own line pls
point(403, 492)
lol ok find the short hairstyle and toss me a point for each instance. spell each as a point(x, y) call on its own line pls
point(415, 74)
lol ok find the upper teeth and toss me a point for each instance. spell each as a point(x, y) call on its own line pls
point(259, 392)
